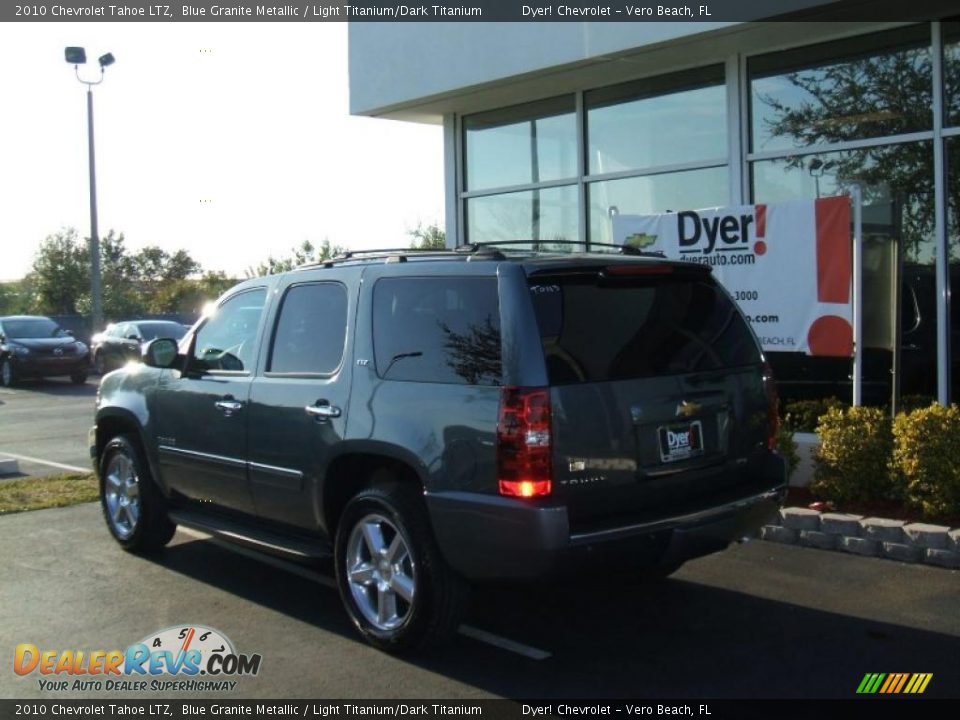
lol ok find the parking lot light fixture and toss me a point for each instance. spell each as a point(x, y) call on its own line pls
point(77, 56)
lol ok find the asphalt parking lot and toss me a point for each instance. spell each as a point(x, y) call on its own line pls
point(44, 423)
point(759, 620)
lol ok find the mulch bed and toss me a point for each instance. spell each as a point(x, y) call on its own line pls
point(804, 497)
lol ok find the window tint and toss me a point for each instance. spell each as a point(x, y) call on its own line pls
point(227, 341)
point(32, 328)
point(443, 330)
point(311, 329)
point(620, 331)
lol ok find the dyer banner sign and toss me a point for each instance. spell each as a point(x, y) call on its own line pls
point(787, 265)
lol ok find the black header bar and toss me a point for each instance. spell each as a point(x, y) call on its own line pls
point(628, 11)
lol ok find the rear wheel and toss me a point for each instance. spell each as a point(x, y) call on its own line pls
point(397, 588)
point(134, 508)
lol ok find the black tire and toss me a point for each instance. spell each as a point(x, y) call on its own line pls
point(439, 596)
point(7, 377)
point(78, 378)
point(99, 366)
point(148, 528)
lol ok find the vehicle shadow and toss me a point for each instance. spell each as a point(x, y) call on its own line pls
point(58, 387)
point(675, 639)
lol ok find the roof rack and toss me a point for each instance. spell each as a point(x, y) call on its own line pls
point(399, 255)
point(623, 249)
point(487, 249)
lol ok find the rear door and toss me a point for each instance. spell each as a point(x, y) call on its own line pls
point(656, 388)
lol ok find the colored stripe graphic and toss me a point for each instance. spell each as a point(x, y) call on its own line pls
point(834, 264)
point(894, 683)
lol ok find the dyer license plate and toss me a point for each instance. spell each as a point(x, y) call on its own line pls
point(681, 441)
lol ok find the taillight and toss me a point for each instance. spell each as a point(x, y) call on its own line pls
point(773, 406)
point(524, 447)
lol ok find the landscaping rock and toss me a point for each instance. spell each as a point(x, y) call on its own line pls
point(943, 558)
point(882, 529)
point(800, 518)
point(903, 552)
point(859, 546)
point(927, 536)
point(840, 524)
point(777, 533)
point(817, 539)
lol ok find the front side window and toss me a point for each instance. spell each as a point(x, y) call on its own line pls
point(227, 341)
point(443, 330)
point(311, 330)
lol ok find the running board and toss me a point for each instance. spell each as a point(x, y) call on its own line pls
point(299, 549)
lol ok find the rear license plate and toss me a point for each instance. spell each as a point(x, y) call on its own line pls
point(680, 441)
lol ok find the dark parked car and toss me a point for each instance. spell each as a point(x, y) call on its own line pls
point(35, 346)
point(121, 342)
point(442, 418)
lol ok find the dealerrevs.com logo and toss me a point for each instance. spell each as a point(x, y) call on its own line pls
point(180, 658)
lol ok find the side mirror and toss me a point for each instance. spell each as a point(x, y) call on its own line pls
point(160, 353)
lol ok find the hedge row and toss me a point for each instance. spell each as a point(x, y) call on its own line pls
point(914, 459)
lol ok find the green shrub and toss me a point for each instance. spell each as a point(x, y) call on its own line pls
point(803, 415)
point(852, 462)
point(787, 447)
point(926, 458)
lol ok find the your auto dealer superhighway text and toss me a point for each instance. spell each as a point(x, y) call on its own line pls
point(561, 709)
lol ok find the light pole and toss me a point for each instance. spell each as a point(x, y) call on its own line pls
point(77, 56)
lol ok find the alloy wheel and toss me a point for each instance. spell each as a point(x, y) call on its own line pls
point(381, 572)
point(122, 495)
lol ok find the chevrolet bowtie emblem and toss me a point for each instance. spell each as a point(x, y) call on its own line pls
point(688, 409)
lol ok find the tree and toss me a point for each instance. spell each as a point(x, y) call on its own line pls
point(430, 237)
point(60, 275)
point(305, 254)
point(148, 281)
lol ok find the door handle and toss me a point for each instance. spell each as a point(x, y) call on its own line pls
point(228, 406)
point(323, 410)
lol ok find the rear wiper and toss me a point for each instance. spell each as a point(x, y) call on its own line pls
point(400, 356)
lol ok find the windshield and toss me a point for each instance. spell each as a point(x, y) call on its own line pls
point(33, 328)
point(153, 330)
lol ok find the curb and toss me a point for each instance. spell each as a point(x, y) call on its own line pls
point(921, 543)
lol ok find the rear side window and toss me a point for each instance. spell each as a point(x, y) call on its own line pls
point(311, 330)
point(594, 332)
point(443, 330)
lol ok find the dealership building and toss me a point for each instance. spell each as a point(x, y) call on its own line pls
point(553, 129)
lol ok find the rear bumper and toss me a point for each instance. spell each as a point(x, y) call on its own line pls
point(489, 538)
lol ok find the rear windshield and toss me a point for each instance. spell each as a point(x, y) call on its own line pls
point(594, 332)
point(153, 330)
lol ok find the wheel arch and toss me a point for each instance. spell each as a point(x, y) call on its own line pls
point(115, 421)
point(359, 468)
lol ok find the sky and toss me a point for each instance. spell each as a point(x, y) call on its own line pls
point(231, 140)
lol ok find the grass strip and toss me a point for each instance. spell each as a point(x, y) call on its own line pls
point(37, 493)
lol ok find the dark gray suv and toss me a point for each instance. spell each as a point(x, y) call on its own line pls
point(434, 419)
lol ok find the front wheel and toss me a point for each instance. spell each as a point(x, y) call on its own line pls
point(6, 372)
point(397, 588)
point(79, 377)
point(134, 508)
